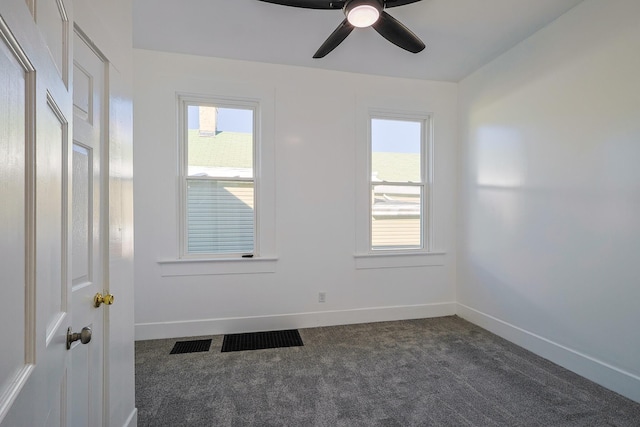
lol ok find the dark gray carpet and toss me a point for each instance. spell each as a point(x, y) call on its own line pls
point(429, 372)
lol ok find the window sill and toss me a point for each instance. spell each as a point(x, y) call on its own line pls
point(397, 260)
point(214, 266)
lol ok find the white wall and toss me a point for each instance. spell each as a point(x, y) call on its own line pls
point(311, 118)
point(549, 196)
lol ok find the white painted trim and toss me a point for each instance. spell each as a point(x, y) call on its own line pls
point(396, 260)
point(426, 182)
point(609, 376)
point(14, 388)
point(366, 109)
point(160, 330)
point(207, 267)
point(66, 42)
point(132, 420)
point(185, 101)
point(263, 165)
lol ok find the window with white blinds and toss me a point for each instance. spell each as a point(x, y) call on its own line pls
point(218, 178)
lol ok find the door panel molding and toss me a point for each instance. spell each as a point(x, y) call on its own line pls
point(82, 230)
point(19, 296)
point(48, 185)
point(53, 20)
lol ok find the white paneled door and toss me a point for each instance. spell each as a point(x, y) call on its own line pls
point(52, 196)
point(88, 285)
point(35, 193)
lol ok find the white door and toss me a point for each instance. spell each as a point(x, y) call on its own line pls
point(52, 190)
point(88, 230)
point(50, 213)
point(35, 149)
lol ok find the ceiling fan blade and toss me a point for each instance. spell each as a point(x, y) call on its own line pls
point(309, 4)
point(394, 3)
point(338, 35)
point(394, 31)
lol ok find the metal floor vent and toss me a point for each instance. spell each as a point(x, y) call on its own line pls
point(194, 346)
point(261, 340)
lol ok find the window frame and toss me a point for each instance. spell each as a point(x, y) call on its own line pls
point(425, 184)
point(184, 102)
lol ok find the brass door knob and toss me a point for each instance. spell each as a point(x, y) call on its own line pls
point(98, 299)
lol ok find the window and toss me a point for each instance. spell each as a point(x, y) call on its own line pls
point(398, 182)
point(218, 174)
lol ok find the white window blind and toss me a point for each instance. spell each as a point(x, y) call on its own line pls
point(220, 216)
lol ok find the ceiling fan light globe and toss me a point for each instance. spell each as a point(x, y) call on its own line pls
point(363, 15)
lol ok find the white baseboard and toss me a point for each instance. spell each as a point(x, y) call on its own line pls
point(132, 421)
point(618, 380)
point(192, 328)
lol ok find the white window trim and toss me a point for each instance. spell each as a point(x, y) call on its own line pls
point(398, 260)
point(264, 200)
point(210, 267)
point(365, 256)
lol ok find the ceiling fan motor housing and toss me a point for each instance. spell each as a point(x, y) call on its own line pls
point(363, 13)
point(350, 4)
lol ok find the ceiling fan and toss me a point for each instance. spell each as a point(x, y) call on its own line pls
point(361, 14)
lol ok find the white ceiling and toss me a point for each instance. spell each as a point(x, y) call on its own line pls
point(461, 35)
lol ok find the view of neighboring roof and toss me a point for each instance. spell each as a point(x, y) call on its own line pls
point(229, 154)
point(234, 150)
point(224, 149)
point(398, 167)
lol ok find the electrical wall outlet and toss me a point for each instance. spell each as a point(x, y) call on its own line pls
point(322, 296)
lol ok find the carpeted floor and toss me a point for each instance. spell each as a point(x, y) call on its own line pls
point(429, 372)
